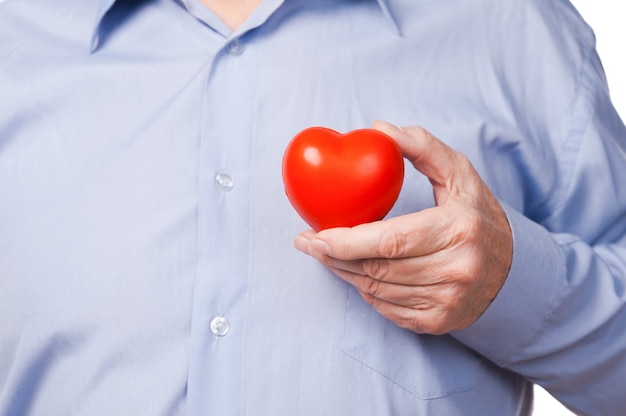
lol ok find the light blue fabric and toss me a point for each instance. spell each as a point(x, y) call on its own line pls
point(146, 258)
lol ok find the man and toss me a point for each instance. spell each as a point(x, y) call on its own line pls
point(146, 243)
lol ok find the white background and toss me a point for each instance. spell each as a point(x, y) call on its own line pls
point(606, 17)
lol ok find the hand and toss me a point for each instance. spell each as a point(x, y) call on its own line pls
point(432, 271)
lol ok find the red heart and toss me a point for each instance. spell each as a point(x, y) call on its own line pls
point(342, 180)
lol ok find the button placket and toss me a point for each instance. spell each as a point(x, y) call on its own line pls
point(219, 307)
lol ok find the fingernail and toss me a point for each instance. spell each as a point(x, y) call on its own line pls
point(320, 246)
point(302, 243)
point(387, 125)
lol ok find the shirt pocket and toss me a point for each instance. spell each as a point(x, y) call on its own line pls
point(427, 366)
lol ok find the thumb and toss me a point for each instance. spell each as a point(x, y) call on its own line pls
point(429, 155)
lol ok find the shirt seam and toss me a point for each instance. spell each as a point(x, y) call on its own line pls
point(569, 151)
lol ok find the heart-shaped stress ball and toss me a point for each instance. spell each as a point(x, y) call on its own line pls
point(342, 180)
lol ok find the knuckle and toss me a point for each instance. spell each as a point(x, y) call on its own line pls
point(474, 269)
point(424, 325)
point(377, 268)
point(434, 323)
point(465, 269)
point(392, 244)
point(370, 286)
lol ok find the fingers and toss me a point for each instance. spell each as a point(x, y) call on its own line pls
point(425, 271)
point(413, 235)
point(429, 309)
point(409, 295)
point(429, 155)
point(430, 319)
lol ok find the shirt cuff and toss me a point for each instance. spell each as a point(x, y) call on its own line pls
point(517, 315)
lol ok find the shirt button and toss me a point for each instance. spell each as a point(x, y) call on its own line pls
point(234, 48)
point(220, 326)
point(224, 181)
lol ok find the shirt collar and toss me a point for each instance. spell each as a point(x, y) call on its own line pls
point(105, 6)
point(386, 9)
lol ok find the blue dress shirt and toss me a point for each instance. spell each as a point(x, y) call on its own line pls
point(146, 258)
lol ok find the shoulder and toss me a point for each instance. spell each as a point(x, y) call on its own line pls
point(507, 16)
point(36, 23)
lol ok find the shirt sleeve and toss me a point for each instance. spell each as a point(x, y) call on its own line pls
point(560, 318)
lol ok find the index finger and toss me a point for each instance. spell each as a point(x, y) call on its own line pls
point(411, 235)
